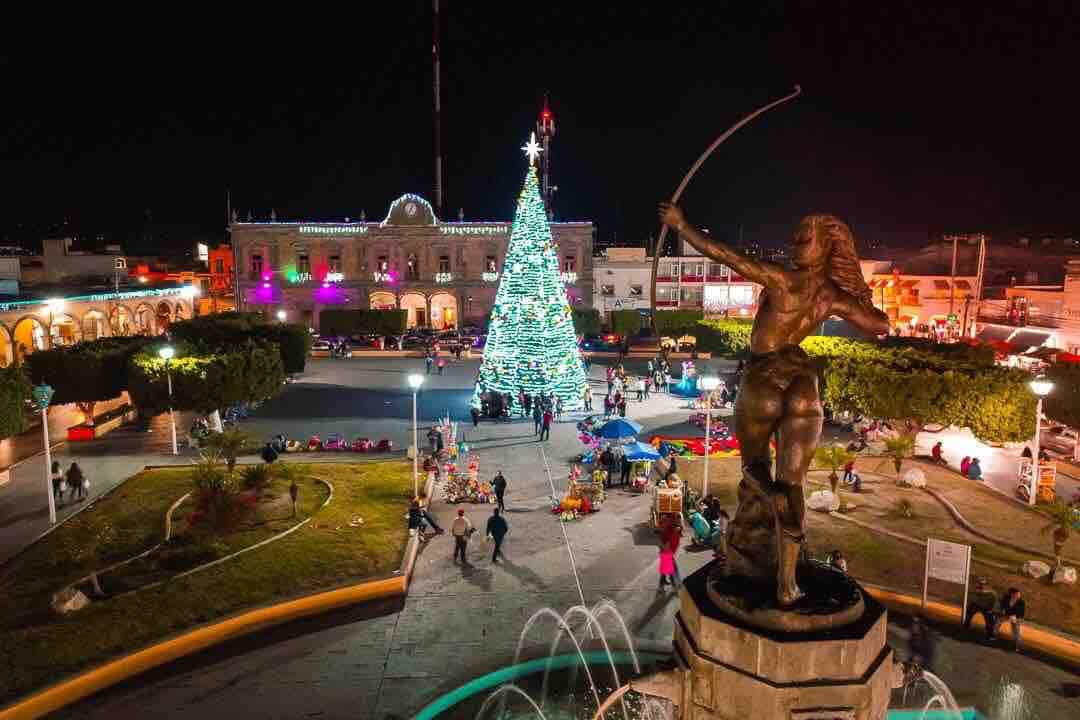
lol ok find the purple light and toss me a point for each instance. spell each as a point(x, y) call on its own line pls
point(329, 295)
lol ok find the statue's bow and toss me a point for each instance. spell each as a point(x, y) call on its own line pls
point(693, 170)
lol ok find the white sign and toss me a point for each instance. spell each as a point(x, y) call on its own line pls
point(473, 230)
point(948, 561)
point(493, 276)
point(335, 277)
point(443, 277)
point(203, 251)
point(333, 229)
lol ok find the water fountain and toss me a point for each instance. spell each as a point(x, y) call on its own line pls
point(804, 675)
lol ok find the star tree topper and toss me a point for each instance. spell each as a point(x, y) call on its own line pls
point(532, 149)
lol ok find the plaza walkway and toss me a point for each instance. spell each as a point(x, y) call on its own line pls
point(459, 622)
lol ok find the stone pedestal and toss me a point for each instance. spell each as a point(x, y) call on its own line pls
point(736, 672)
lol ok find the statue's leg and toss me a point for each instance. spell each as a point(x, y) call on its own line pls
point(800, 430)
point(752, 534)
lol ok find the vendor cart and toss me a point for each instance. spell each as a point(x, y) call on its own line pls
point(1046, 482)
point(667, 505)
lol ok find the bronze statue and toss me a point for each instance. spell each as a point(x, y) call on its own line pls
point(779, 393)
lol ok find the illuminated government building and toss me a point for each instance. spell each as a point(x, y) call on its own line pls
point(444, 274)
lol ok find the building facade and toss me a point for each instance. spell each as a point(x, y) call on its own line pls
point(1031, 317)
point(622, 280)
point(938, 306)
point(444, 274)
point(28, 324)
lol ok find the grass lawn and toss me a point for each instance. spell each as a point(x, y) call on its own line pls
point(38, 647)
point(879, 559)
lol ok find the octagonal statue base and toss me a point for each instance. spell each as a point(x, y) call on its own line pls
point(735, 671)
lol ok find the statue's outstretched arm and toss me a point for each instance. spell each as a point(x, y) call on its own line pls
point(762, 272)
point(862, 315)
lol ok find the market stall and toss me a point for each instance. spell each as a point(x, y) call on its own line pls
point(641, 456)
point(463, 483)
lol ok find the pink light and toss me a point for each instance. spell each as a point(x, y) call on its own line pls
point(266, 284)
point(266, 276)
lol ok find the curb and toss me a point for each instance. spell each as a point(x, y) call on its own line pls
point(1065, 649)
point(110, 673)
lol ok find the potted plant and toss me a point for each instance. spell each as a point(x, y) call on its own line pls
point(899, 448)
point(832, 458)
point(1062, 521)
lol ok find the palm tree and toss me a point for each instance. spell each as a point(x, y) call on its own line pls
point(1063, 521)
point(899, 448)
point(832, 458)
point(228, 445)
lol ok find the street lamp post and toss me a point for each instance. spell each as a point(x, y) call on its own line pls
point(415, 381)
point(1041, 387)
point(166, 353)
point(708, 384)
point(42, 395)
point(281, 315)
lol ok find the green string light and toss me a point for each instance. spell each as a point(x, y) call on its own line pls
point(532, 346)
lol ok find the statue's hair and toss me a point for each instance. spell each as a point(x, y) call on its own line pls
point(843, 263)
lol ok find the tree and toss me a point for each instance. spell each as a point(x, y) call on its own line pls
point(625, 322)
point(531, 343)
point(85, 373)
point(913, 386)
point(676, 323)
point(832, 458)
point(14, 392)
point(205, 381)
point(586, 322)
point(1062, 521)
point(899, 448)
point(724, 337)
point(1063, 404)
point(227, 330)
point(227, 445)
point(362, 322)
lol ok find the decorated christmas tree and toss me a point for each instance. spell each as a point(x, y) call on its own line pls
point(531, 345)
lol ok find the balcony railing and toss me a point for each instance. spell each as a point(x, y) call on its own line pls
point(693, 278)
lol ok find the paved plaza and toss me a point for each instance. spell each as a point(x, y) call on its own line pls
point(457, 622)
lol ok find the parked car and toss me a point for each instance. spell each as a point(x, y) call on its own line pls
point(320, 344)
point(607, 342)
point(1059, 439)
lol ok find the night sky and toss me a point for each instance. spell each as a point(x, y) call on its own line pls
point(914, 121)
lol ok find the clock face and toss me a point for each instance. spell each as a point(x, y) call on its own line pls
point(410, 209)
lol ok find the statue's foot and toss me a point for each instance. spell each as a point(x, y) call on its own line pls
point(787, 590)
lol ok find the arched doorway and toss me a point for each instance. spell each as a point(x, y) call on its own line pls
point(29, 337)
point(120, 321)
point(381, 300)
point(6, 350)
point(415, 305)
point(144, 320)
point(64, 330)
point(93, 325)
point(164, 317)
point(444, 311)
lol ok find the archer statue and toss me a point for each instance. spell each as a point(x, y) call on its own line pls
point(779, 393)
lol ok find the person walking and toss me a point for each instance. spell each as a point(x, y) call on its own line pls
point(648, 384)
point(608, 405)
point(475, 412)
point(558, 408)
point(538, 416)
point(624, 466)
point(983, 602)
point(974, 471)
point(57, 482)
point(667, 382)
point(639, 388)
point(610, 379)
point(498, 484)
point(622, 407)
point(428, 360)
point(497, 528)
point(75, 480)
point(1011, 611)
point(666, 561)
point(674, 540)
point(441, 365)
point(545, 428)
point(461, 529)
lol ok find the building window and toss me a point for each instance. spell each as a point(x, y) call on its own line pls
point(444, 264)
point(334, 264)
point(491, 264)
point(204, 286)
point(256, 266)
point(303, 265)
point(219, 266)
point(742, 295)
point(636, 291)
point(569, 264)
point(607, 290)
point(412, 267)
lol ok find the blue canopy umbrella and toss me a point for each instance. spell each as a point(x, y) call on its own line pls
point(641, 451)
point(619, 428)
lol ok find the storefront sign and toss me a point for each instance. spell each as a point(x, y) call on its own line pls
point(299, 277)
point(383, 277)
point(569, 277)
point(443, 277)
point(333, 229)
point(491, 276)
point(335, 277)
